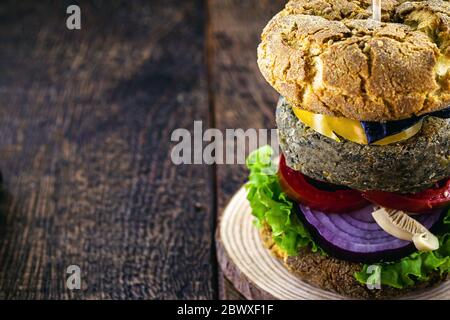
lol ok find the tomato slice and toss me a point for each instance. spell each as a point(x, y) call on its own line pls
point(298, 188)
point(420, 202)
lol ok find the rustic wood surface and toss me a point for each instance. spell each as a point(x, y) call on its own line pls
point(241, 97)
point(85, 123)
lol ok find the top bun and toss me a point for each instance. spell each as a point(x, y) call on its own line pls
point(327, 57)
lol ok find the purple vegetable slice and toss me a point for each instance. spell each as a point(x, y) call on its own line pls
point(355, 236)
point(376, 130)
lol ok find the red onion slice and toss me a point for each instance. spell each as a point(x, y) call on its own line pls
point(356, 236)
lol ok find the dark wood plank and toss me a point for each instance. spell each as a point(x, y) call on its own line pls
point(85, 124)
point(228, 291)
point(242, 98)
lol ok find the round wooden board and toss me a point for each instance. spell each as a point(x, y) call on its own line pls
point(256, 274)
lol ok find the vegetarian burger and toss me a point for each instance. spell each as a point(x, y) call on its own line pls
point(359, 201)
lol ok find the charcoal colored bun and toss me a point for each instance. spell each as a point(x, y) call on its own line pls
point(407, 166)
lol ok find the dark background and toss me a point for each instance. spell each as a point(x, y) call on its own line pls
point(85, 124)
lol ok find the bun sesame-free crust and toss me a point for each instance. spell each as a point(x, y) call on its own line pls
point(327, 57)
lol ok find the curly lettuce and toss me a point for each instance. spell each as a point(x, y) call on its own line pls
point(271, 206)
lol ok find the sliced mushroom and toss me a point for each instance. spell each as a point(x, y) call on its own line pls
point(402, 226)
point(425, 241)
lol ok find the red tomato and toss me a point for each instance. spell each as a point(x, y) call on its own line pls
point(298, 188)
point(420, 202)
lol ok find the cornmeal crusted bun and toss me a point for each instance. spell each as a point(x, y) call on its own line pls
point(327, 57)
point(336, 275)
point(408, 166)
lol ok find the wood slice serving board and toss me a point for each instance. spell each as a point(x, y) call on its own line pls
point(256, 274)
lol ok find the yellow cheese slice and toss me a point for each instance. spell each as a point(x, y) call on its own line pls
point(335, 127)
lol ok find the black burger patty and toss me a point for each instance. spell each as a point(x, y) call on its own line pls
point(336, 275)
point(407, 166)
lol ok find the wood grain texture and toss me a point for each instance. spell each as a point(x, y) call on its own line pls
point(85, 124)
point(241, 97)
point(227, 289)
point(257, 274)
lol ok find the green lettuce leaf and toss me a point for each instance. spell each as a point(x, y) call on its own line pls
point(270, 205)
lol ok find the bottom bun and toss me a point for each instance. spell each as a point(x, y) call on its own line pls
point(336, 275)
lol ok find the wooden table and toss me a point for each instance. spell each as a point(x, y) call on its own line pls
point(85, 124)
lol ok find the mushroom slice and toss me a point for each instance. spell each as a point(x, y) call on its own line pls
point(402, 226)
point(425, 241)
